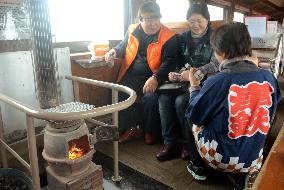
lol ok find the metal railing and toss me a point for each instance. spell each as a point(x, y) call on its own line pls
point(63, 116)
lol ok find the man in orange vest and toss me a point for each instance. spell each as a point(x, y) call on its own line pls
point(150, 53)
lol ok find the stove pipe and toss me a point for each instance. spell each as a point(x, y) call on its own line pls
point(44, 58)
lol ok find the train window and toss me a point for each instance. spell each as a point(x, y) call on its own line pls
point(86, 20)
point(178, 10)
point(216, 13)
point(173, 11)
point(238, 17)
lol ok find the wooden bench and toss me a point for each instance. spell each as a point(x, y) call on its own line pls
point(271, 175)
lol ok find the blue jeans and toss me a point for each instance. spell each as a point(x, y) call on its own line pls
point(172, 109)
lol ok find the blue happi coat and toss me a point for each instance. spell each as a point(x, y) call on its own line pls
point(232, 115)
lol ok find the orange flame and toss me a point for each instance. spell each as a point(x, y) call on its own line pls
point(75, 152)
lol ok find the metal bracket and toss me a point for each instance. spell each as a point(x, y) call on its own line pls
point(105, 133)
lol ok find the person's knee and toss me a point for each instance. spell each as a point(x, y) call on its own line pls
point(165, 102)
point(180, 103)
point(151, 99)
point(164, 99)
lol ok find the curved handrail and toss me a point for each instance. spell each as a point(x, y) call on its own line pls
point(63, 116)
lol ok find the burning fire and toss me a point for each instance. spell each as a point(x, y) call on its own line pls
point(75, 152)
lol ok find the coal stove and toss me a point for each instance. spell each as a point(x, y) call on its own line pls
point(68, 144)
point(68, 149)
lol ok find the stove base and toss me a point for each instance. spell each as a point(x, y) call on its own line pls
point(91, 179)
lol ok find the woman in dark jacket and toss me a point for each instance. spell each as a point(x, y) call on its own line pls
point(195, 51)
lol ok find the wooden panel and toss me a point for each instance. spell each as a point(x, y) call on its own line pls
point(180, 27)
point(272, 172)
point(92, 94)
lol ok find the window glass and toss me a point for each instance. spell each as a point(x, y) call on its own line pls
point(238, 17)
point(173, 11)
point(86, 20)
point(216, 13)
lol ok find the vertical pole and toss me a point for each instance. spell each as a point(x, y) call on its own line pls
point(3, 150)
point(115, 176)
point(33, 152)
point(225, 14)
point(76, 91)
point(231, 11)
point(127, 14)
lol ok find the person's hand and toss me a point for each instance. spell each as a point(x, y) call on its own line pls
point(185, 76)
point(93, 57)
point(173, 76)
point(192, 79)
point(110, 55)
point(150, 85)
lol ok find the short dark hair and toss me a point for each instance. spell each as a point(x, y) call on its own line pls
point(149, 9)
point(198, 8)
point(233, 39)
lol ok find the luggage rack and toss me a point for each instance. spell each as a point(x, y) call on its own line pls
point(270, 53)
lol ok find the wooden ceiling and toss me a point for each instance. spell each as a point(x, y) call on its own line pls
point(272, 8)
point(279, 3)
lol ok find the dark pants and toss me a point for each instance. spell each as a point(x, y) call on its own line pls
point(144, 112)
point(194, 154)
point(172, 109)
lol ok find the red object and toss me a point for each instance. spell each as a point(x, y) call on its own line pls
point(248, 107)
point(101, 50)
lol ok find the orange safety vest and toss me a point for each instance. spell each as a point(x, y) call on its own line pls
point(154, 50)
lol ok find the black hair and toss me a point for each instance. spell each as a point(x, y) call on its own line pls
point(233, 39)
point(149, 9)
point(198, 8)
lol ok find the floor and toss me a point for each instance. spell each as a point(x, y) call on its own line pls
point(173, 174)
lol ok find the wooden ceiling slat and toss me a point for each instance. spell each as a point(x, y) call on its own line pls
point(279, 3)
point(273, 5)
point(264, 7)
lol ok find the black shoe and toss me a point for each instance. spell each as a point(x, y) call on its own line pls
point(238, 179)
point(239, 186)
point(197, 172)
